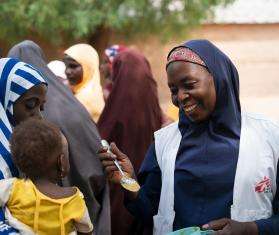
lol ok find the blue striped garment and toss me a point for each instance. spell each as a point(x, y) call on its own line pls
point(15, 79)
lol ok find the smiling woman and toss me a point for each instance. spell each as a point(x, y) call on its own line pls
point(192, 89)
point(205, 169)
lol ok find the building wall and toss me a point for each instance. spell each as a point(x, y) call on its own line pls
point(254, 49)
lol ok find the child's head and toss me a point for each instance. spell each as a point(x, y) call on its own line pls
point(40, 150)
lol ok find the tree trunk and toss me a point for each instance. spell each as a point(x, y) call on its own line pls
point(100, 39)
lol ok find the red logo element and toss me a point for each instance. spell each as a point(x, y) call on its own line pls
point(263, 186)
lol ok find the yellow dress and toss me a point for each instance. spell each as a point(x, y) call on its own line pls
point(41, 213)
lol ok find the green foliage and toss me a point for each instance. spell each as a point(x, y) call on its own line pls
point(55, 20)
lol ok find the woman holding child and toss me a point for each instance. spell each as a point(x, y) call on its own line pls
point(64, 110)
point(217, 166)
point(36, 204)
point(23, 94)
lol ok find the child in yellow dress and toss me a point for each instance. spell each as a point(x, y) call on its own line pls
point(37, 204)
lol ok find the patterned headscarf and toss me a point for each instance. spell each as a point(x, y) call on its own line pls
point(15, 79)
point(182, 53)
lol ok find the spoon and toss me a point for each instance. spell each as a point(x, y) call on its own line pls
point(126, 181)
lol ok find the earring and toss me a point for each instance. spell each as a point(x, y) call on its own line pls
point(61, 173)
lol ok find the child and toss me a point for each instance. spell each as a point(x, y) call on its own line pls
point(36, 204)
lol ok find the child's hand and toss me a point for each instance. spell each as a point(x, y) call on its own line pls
point(112, 171)
point(79, 233)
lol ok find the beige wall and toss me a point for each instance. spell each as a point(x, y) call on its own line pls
point(253, 48)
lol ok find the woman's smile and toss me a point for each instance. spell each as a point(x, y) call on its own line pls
point(189, 108)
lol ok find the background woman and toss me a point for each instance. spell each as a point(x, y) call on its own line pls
point(82, 70)
point(106, 67)
point(131, 115)
point(58, 68)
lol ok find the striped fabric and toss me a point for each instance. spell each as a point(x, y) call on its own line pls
point(15, 79)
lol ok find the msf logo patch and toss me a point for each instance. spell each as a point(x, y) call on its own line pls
point(264, 186)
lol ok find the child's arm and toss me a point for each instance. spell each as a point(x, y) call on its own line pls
point(5, 190)
point(82, 222)
point(84, 225)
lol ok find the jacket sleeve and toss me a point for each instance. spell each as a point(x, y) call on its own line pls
point(145, 206)
point(270, 226)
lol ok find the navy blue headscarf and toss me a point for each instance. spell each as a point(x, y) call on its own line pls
point(209, 149)
point(224, 123)
point(226, 118)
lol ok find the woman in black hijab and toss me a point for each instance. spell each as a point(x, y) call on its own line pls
point(63, 109)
